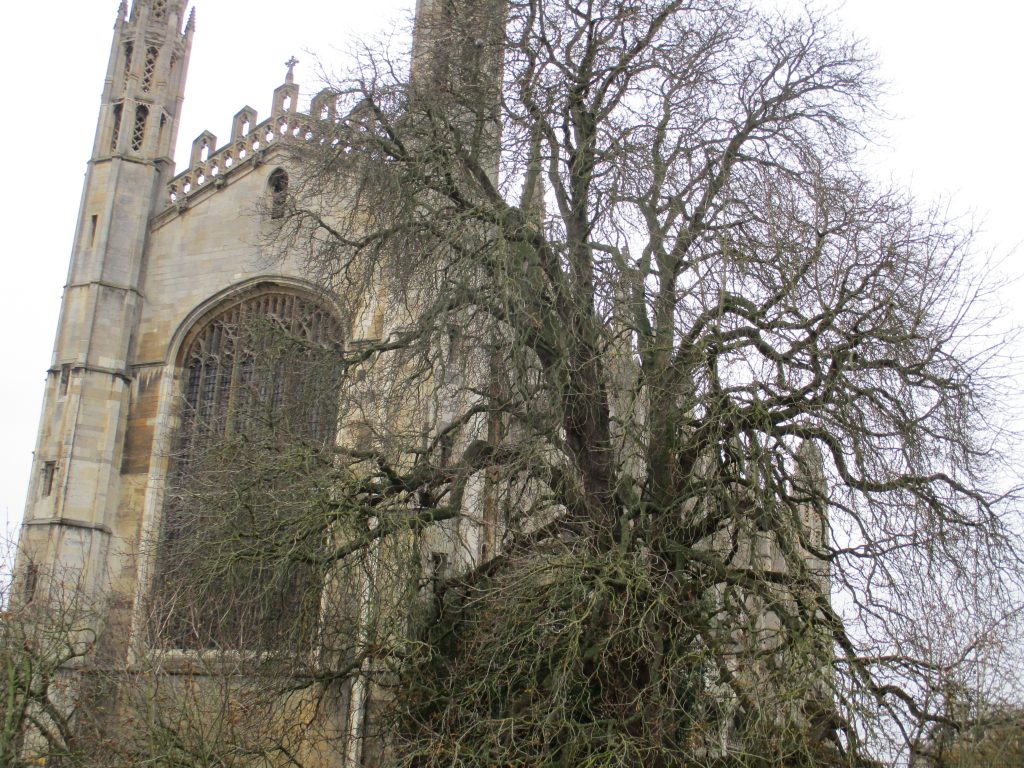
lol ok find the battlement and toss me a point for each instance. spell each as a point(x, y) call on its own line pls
point(210, 165)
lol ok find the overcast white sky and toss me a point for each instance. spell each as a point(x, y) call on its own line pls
point(954, 70)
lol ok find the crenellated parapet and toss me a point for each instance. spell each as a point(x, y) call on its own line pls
point(211, 165)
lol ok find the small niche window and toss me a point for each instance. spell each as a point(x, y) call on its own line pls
point(115, 135)
point(139, 133)
point(49, 470)
point(65, 378)
point(278, 193)
point(129, 52)
point(152, 54)
point(31, 582)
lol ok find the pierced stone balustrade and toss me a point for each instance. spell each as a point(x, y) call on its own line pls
point(211, 165)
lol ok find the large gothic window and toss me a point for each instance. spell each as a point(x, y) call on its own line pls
point(258, 402)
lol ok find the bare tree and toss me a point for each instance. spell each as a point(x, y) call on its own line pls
point(986, 733)
point(48, 629)
point(662, 419)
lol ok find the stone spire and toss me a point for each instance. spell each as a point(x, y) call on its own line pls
point(159, 11)
point(453, 39)
point(457, 58)
point(145, 81)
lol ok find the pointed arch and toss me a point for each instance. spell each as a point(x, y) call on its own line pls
point(259, 362)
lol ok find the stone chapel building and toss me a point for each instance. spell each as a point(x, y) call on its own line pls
point(161, 262)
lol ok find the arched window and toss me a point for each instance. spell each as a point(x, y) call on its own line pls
point(149, 68)
point(278, 193)
point(139, 131)
point(259, 387)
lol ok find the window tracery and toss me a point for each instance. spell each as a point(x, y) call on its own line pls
point(261, 367)
point(139, 132)
point(149, 68)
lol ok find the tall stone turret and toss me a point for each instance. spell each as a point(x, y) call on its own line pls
point(73, 491)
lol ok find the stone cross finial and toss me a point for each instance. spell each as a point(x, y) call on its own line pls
point(290, 77)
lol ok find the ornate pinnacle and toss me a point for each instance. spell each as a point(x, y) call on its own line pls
point(290, 77)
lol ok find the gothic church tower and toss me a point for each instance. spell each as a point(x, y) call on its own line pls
point(74, 491)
